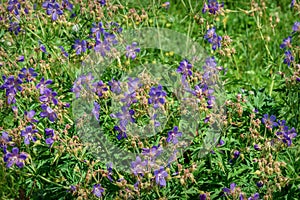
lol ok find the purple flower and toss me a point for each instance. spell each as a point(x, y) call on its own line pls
point(166, 5)
point(221, 142)
point(67, 5)
point(114, 27)
point(14, 6)
point(102, 2)
point(99, 88)
point(11, 86)
point(49, 132)
point(98, 30)
point(152, 152)
point(210, 34)
point(212, 6)
point(269, 122)
point(110, 38)
point(138, 166)
point(11, 83)
point(288, 57)
point(287, 135)
point(286, 43)
point(48, 112)
point(236, 154)
point(230, 190)
point(124, 116)
point(254, 197)
point(131, 50)
point(14, 27)
point(47, 3)
point(121, 131)
point(20, 59)
point(98, 190)
point(49, 96)
point(216, 42)
point(42, 85)
point(15, 158)
point(129, 98)
point(172, 135)
point(110, 171)
point(29, 116)
point(80, 46)
point(102, 47)
point(28, 134)
point(259, 184)
point(63, 51)
point(296, 27)
point(96, 110)
point(115, 86)
point(212, 37)
point(157, 96)
point(202, 197)
point(133, 84)
point(292, 3)
point(4, 140)
point(256, 147)
point(54, 9)
point(43, 48)
point(81, 81)
point(27, 74)
point(201, 91)
point(160, 175)
point(185, 68)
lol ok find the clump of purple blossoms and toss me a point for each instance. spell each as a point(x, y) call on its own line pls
point(48, 112)
point(125, 116)
point(53, 8)
point(102, 2)
point(42, 85)
point(96, 110)
point(157, 96)
point(49, 96)
point(254, 197)
point(14, 6)
point(14, 27)
point(4, 140)
point(296, 27)
point(138, 166)
point(173, 135)
point(285, 134)
point(29, 134)
point(82, 82)
point(99, 87)
point(98, 190)
point(80, 46)
point(11, 85)
point(214, 39)
point(212, 6)
point(131, 50)
point(121, 129)
point(115, 86)
point(288, 58)
point(229, 191)
point(160, 175)
point(50, 133)
point(14, 157)
point(269, 122)
point(185, 68)
point(287, 42)
point(153, 152)
point(27, 74)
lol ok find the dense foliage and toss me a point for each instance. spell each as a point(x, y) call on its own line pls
point(149, 99)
